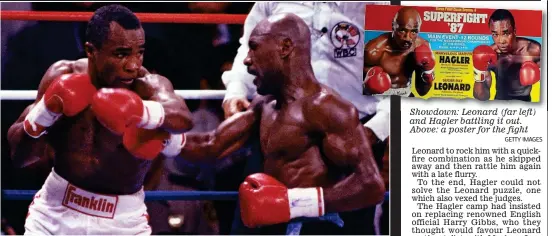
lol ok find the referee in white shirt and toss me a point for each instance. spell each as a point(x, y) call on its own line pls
point(337, 39)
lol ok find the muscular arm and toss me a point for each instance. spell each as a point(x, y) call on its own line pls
point(374, 77)
point(346, 146)
point(482, 91)
point(177, 115)
point(423, 87)
point(534, 51)
point(228, 137)
point(372, 53)
point(25, 150)
point(372, 56)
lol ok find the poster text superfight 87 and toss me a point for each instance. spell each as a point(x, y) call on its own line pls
point(486, 54)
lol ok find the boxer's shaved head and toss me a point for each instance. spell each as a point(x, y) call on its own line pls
point(278, 44)
point(288, 29)
point(406, 25)
point(407, 16)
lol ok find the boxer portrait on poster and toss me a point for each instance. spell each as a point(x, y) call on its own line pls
point(514, 60)
point(392, 57)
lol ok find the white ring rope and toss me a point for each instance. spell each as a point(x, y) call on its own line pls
point(186, 94)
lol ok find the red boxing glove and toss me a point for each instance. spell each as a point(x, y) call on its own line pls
point(425, 60)
point(529, 73)
point(148, 144)
point(266, 201)
point(483, 57)
point(377, 81)
point(68, 94)
point(118, 109)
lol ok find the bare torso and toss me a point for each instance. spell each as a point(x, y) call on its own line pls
point(90, 156)
point(291, 151)
point(507, 71)
point(398, 64)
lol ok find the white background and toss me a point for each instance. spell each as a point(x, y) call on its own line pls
point(537, 124)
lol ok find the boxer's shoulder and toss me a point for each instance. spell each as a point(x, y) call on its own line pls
point(143, 72)
point(534, 49)
point(378, 45)
point(80, 66)
point(330, 102)
point(528, 46)
point(327, 109)
point(149, 84)
point(421, 41)
point(154, 80)
point(61, 67)
point(260, 101)
point(375, 48)
point(55, 70)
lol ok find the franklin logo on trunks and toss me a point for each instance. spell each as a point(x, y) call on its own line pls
point(90, 203)
point(345, 37)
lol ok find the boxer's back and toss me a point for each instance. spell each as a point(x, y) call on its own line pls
point(91, 157)
point(292, 152)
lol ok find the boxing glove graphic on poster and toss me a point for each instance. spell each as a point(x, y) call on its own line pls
point(451, 52)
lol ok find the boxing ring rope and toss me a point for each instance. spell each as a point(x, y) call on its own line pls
point(186, 94)
point(235, 19)
point(10, 194)
point(150, 195)
point(145, 18)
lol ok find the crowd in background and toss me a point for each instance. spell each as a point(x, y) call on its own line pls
point(192, 56)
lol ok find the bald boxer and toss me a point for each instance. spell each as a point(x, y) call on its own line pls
point(390, 58)
point(82, 112)
point(514, 60)
point(317, 159)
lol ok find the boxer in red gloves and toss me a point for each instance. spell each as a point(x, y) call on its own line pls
point(317, 159)
point(390, 58)
point(82, 112)
point(514, 60)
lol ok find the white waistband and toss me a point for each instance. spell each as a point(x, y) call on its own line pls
point(398, 91)
point(56, 190)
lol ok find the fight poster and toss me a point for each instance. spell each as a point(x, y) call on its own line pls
point(452, 52)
